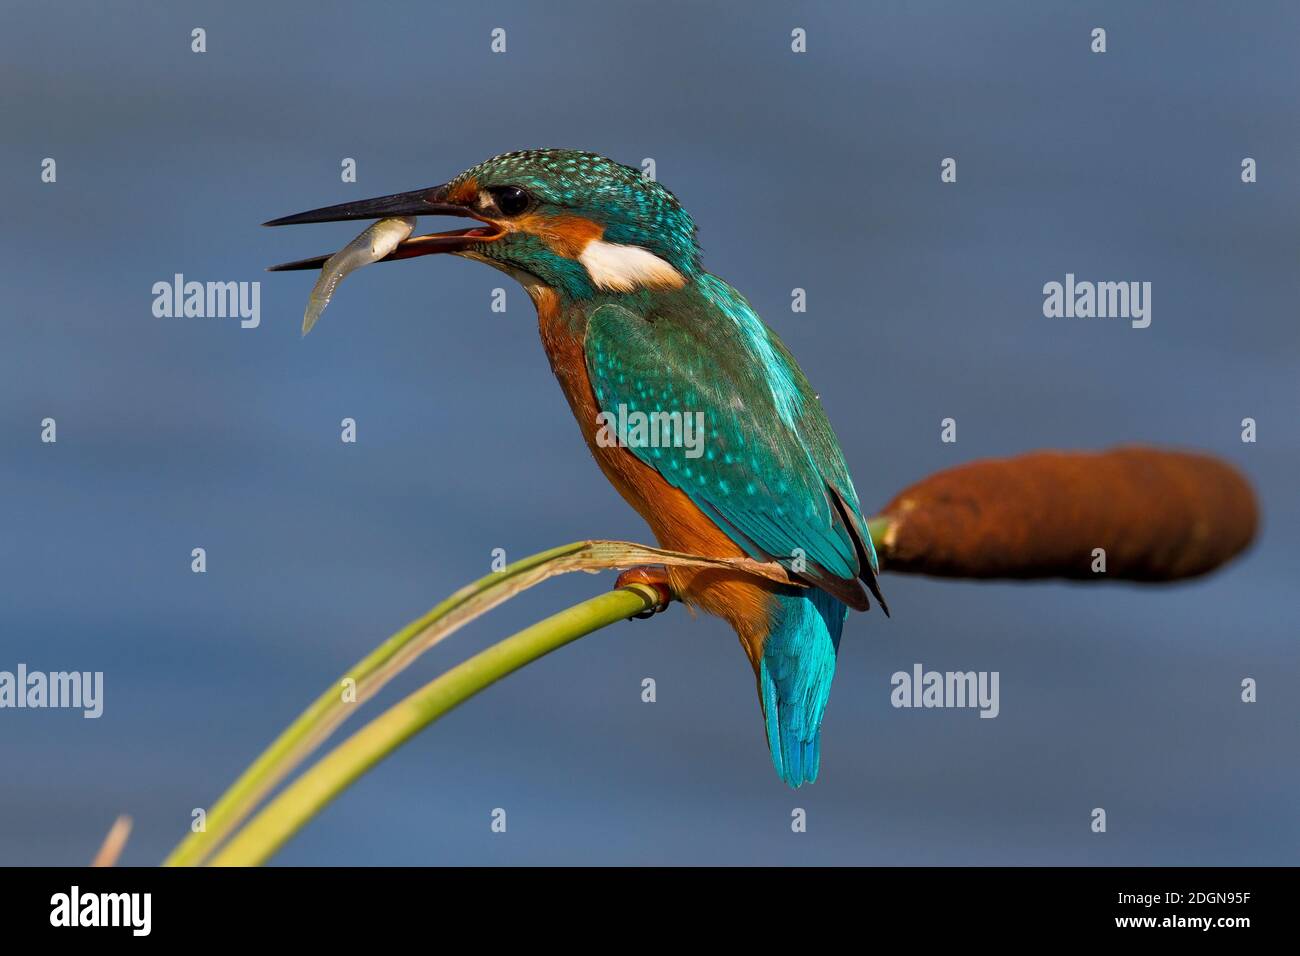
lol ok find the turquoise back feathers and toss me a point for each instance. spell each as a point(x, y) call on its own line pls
point(771, 474)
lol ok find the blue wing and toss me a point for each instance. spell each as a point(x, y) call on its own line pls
point(765, 467)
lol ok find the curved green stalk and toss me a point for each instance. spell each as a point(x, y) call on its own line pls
point(284, 816)
point(369, 676)
point(331, 708)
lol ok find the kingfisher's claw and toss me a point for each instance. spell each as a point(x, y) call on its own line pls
point(656, 578)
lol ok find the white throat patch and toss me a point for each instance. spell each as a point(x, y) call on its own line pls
point(620, 268)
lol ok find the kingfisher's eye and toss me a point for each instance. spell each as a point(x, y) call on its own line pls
point(511, 200)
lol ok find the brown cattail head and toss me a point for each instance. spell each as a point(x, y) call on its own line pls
point(1159, 516)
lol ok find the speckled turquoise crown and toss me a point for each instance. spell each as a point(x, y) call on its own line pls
point(633, 209)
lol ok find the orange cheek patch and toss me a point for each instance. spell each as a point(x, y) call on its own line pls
point(566, 235)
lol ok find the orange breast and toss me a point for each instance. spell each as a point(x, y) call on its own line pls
point(675, 520)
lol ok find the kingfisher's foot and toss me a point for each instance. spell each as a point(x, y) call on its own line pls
point(656, 578)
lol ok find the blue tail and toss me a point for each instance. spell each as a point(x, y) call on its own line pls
point(794, 680)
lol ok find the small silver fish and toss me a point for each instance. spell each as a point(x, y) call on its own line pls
point(379, 239)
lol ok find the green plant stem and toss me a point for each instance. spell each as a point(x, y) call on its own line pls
point(330, 709)
point(315, 788)
point(314, 725)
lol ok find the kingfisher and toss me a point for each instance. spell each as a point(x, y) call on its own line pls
point(632, 323)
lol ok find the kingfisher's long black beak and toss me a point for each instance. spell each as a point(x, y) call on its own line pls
point(420, 202)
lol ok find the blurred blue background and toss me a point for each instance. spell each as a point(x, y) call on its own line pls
point(818, 171)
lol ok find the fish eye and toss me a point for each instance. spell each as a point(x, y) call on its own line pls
point(511, 200)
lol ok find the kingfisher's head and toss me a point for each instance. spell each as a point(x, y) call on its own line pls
point(559, 218)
